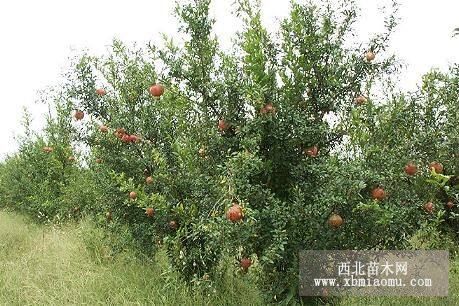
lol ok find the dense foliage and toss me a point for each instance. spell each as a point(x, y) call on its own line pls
point(253, 153)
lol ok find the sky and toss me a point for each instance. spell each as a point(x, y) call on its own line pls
point(38, 37)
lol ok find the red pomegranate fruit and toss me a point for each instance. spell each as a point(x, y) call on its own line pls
point(103, 129)
point(149, 180)
point(312, 151)
point(173, 225)
point(438, 167)
point(222, 125)
point(429, 207)
point(245, 263)
point(79, 115)
point(133, 195)
point(149, 212)
point(125, 138)
point(370, 56)
point(411, 169)
point(360, 100)
point(234, 213)
point(378, 194)
point(157, 90)
point(335, 221)
point(101, 92)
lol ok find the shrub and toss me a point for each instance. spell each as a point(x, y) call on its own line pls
point(283, 129)
point(231, 127)
point(33, 179)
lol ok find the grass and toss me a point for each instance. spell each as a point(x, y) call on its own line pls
point(69, 265)
point(66, 266)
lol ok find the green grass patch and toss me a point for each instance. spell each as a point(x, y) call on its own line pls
point(46, 265)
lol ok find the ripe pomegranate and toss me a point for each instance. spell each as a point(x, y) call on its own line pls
point(360, 100)
point(335, 221)
point(48, 149)
point(245, 263)
point(101, 92)
point(173, 224)
point(312, 151)
point(268, 109)
point(222, 125)
point(103, 129)
point(234, 214)
point(133, 195)
point(79, 115)
point(149, 180)
point(108, 215)
point(157, 90)
point(202, 152)
point(378, 194)
point(120, 132)
point(411, 169)
point(370, 56)
point(134, 138)
point(450, 205)
point(149, 212)
point(436, 166)
point(71, 158)
point(429, 207)
point(99, 160)
point(126, 138)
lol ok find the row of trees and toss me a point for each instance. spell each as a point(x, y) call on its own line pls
point(249, 154)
